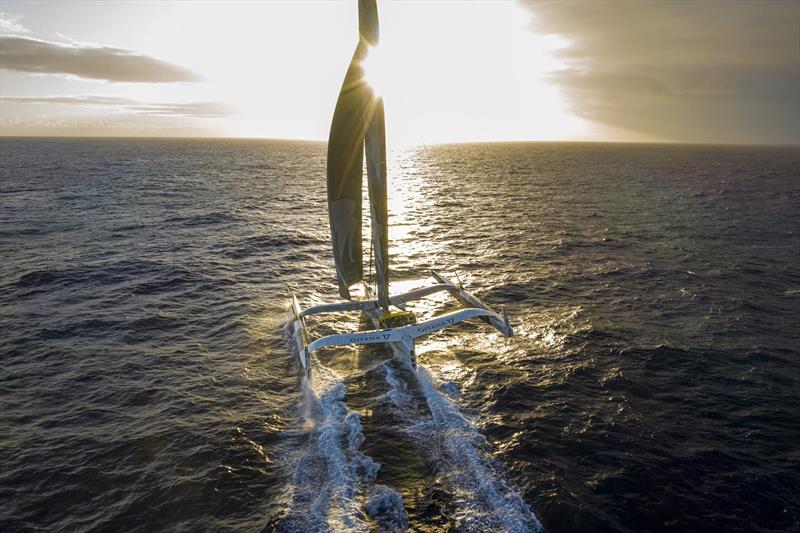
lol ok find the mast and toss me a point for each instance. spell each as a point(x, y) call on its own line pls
point(358, 119)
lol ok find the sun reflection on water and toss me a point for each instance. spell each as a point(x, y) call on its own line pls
point(411, 239)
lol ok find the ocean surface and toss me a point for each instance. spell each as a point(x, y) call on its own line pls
point(147, 382)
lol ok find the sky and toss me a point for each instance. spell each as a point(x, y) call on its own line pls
point(720, 71)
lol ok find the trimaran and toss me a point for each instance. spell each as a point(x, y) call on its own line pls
point(358, 128)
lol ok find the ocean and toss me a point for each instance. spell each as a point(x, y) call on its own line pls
point(148, 382)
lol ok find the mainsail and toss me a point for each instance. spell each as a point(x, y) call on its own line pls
point(358, 119)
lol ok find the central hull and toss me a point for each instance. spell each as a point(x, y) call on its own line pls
point(401, 350)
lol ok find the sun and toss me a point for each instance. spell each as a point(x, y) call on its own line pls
point(376, 73)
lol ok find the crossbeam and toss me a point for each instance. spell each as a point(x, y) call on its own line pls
point(413, 331)
point(368, 305)
point(401, 339)
point(469, 300)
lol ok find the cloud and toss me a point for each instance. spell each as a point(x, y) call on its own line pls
point(194, 109)
point(127, 105)
point(26, 54)
point(703, 71)
point(131, 126)
point(10, 24)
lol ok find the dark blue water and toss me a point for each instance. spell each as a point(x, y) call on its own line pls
point(148, 384)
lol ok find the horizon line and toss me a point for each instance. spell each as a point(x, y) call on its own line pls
point(408, 145)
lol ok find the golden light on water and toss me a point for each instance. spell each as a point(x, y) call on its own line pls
point(407, 203)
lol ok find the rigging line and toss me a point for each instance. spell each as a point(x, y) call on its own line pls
point(369, 271)
point(370, 278)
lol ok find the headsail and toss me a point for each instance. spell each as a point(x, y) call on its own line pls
point(358, 111)
point(378, 199)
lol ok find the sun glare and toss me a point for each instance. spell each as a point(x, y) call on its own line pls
point(466, 72)
point(447, 71)
point(375, 70)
